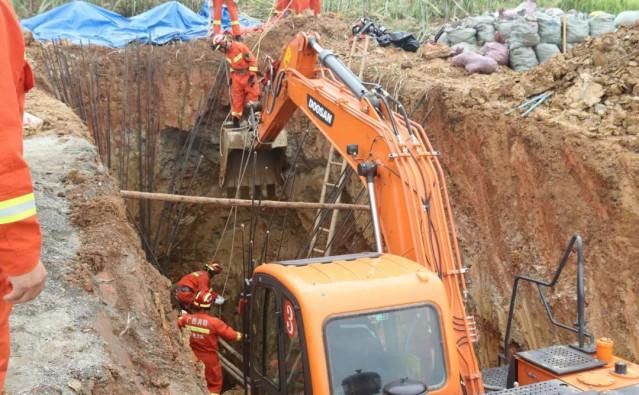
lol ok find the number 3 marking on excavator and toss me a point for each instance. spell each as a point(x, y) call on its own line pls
point(289, 319)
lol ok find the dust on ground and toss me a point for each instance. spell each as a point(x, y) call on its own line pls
point(103, 323)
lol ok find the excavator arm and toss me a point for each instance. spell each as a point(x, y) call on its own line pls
point(393, 156)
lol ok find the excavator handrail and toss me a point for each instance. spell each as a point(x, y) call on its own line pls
point(580, 330)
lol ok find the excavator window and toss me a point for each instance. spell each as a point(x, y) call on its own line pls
point(278, 357)
point(264, 331)
point(367, 351)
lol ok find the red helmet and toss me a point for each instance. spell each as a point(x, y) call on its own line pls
point(204, 299)
point(219, 40)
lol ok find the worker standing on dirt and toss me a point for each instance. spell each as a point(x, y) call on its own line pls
point(216, 16)
point(187, 287)
point(22, 275)
point(245, 90)
point(205, 331)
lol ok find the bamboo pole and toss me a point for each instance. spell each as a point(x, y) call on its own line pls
point(228, 202)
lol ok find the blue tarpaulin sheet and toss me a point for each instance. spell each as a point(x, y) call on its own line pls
point(82, 22)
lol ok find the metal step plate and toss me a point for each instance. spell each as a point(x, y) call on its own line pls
point(561, 360)
point(552, 387)
point(495, 377)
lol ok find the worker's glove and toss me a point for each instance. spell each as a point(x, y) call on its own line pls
point(252, 79)
point(219, 300)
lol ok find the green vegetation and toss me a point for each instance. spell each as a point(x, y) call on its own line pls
point(405, 13)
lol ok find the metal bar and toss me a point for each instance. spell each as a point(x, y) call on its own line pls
point(333, 63)
point(373, 202)
point(226, 346)
point(581, 307)
point(228, 202)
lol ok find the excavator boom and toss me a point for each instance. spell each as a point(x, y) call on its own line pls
point(393, 155)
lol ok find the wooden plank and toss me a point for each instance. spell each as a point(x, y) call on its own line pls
point(227, 202)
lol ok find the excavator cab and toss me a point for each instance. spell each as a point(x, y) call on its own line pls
point(310, 333)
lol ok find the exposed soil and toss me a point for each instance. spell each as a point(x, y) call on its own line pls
point(103, 324)
point(520, 187)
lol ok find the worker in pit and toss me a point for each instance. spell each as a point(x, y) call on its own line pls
point(245, 90)
point(299, 6)
point(216, 17)
point(184, 291)
point(22, 275)
point(205, 331)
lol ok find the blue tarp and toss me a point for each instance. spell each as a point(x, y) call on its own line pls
point(82, 22)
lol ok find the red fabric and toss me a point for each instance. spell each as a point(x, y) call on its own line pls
point(216, 12)
point(19, 241)
point(197, 282)
point(240, 57)
point(298, 6)
point(242, 92)
point(205, 330)
point(243, 65)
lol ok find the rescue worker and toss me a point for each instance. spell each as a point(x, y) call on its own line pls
point(205, 331)
point(187, 287)
point(22, 275)
point(216, 16)
point(299, 6)
point(245, 90)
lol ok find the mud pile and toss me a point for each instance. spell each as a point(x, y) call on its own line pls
point(596, 83)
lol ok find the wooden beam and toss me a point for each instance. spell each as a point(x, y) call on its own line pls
point(228, 202)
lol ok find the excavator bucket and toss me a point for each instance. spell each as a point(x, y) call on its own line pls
point(239, 167)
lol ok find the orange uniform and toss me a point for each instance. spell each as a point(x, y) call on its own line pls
point(298, 6)
point(244, 86)
point(190, 285)
point(19, 229)
point(204, 333)
point(216, 14)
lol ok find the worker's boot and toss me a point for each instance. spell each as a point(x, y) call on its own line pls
point(236, 122)
point(237, 38)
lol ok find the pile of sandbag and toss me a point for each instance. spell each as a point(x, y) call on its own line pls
point(532, 35)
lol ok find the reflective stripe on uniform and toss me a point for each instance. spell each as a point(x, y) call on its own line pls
point(196, 274)
point(238, 336)
point(229, 60)
point(198, 329)
point(236, 114)
point(217, 22)
point(17, 209)
point(253, 68)
point(237, 58)
point(235, 23)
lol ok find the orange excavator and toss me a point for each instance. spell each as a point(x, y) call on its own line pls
point(392, 321)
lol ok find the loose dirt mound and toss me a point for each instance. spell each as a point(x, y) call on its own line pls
point(103, 324)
